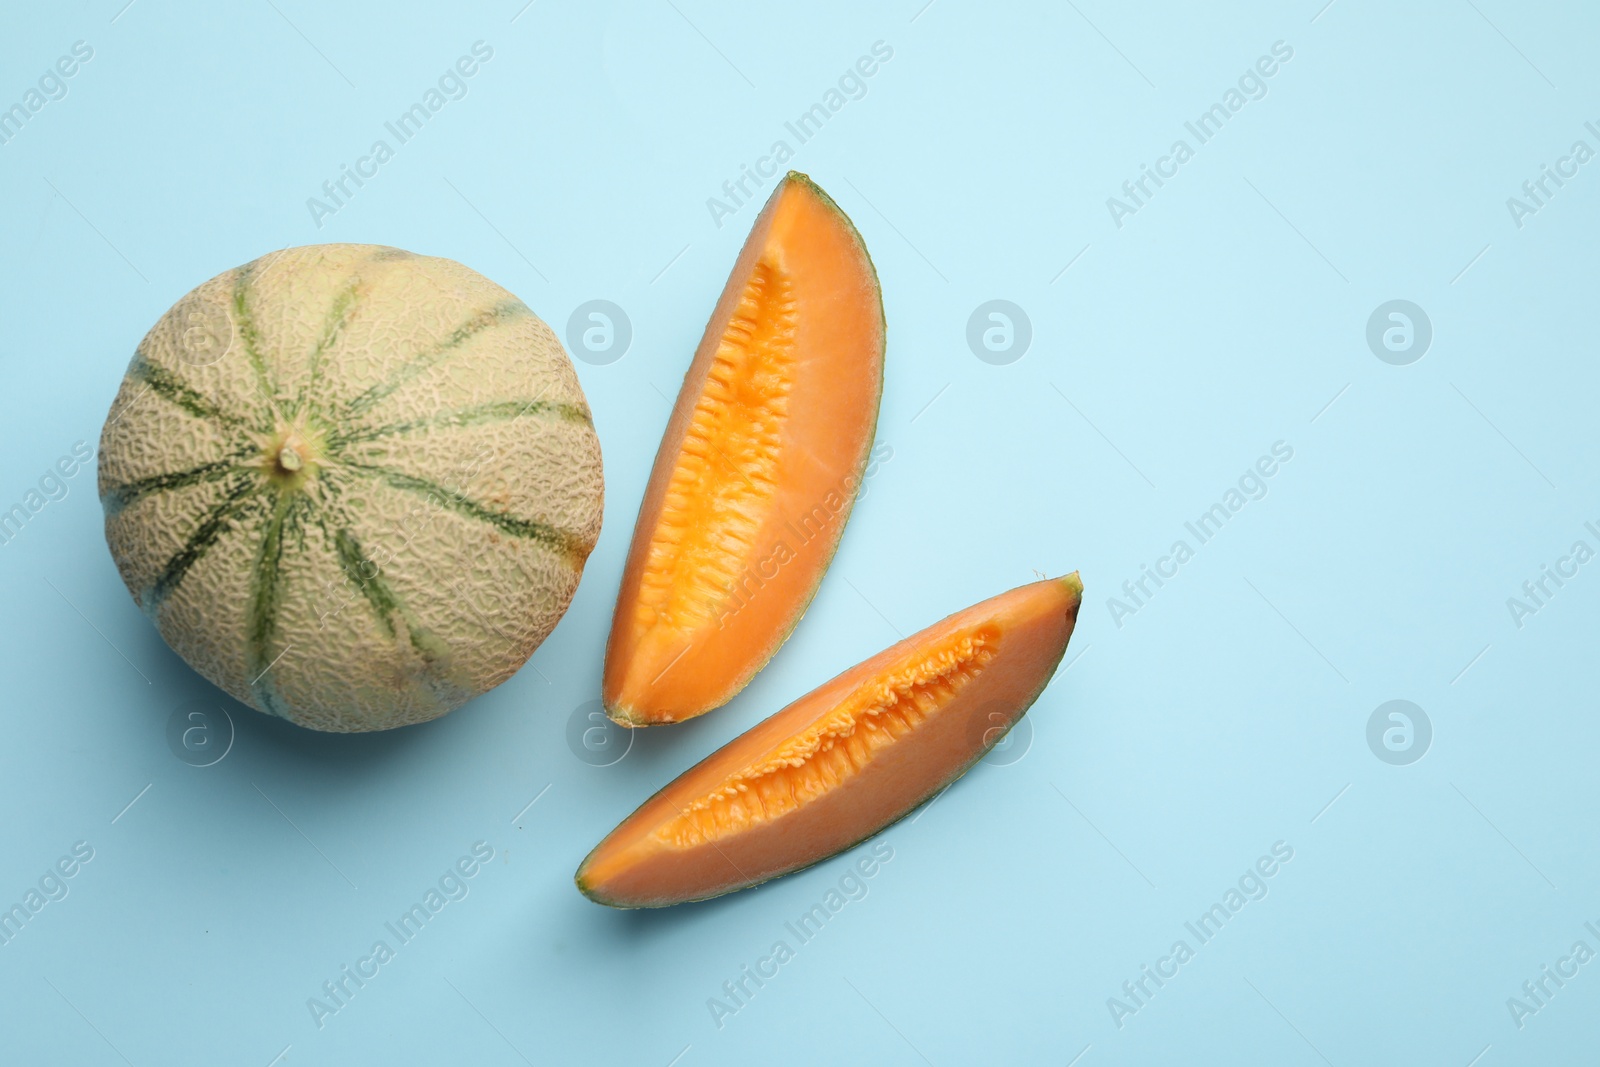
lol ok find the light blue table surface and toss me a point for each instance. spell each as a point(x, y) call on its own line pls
point(1428, 875)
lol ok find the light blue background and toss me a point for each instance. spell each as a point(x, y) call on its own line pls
point(1226, 715)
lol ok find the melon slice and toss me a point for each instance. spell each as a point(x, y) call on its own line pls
point(843, 762)
point(762, 458)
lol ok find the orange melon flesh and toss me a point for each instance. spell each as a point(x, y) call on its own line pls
point(758, 469)
point(844, 761)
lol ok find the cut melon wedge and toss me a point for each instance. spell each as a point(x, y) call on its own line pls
point(759, 467)
point(843, 762)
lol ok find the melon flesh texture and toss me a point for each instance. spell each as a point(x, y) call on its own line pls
point(844, 761)
point(759, 467)
point(373, 505)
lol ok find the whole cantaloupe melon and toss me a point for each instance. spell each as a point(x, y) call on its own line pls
point(353, 486)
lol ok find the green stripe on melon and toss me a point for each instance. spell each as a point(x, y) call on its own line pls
point(375, 506)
